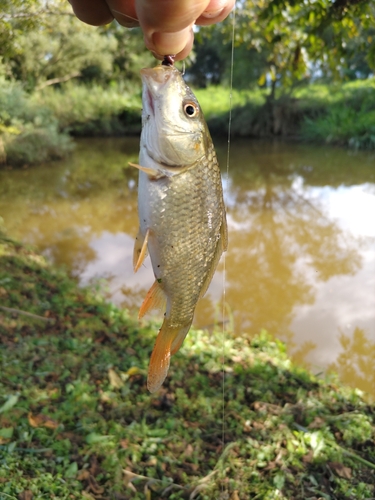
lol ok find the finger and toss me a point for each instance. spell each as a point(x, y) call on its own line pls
point(179, 54)
point(168, 15)
point(216, 11)
point(94, 12)
point(124, 12)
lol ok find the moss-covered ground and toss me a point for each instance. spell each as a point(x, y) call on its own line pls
point(77, 422)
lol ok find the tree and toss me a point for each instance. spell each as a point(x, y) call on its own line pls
point(46, 44)
point(302, 39)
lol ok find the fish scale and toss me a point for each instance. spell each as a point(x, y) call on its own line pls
point(181, 209)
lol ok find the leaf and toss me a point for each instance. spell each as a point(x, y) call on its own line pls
point(42, 421)
point(93, 437)
point(114, 379)
point(72, 470)
point(6, 432)
point(26, 495)
point(262, 79)
point(11, 401)
point(134, 370)
point(341, 470)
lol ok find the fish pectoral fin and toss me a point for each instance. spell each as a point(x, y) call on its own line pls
point(140, 249)
point(151, 172)
point(155, 299)
point(161, 355)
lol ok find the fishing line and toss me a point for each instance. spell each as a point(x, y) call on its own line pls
point(227, 188)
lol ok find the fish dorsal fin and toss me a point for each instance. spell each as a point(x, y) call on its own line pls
point(224, 232)
point(155, 299)
point(180, 337)
point(140, 249)
point(222, 244)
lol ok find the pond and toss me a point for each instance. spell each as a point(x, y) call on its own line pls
point(301, 257)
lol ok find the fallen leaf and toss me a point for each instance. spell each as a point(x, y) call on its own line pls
point(87, 495)
point(234, 495)
point(188, 451)
point(83, 475)
point(42, 421)
point(25, 495)
point(124, 443)
point(114, 379)
point(341, 470)
point(317, 423)
point(134, 370)
point(94, 486)
point(308, 458)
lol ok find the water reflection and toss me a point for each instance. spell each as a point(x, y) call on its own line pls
point(301, 256)
point(355, 364)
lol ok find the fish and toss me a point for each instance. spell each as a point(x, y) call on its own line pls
point(182, 217)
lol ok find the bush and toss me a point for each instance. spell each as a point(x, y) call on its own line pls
point(88, 111)
point(29, 133)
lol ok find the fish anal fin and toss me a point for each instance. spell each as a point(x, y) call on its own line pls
point(140, 249)
point(154, 299)
point(160, 357)
point(168, 342)
point(180, 337)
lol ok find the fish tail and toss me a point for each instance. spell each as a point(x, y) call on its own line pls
point(168, 342)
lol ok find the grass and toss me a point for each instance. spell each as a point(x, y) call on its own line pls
point(76, 420)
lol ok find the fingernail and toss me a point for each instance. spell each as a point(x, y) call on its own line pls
point(212, 13)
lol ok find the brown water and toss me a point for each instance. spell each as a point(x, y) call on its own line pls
point(301, 260)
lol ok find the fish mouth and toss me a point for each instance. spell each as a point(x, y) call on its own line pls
point(154, 80)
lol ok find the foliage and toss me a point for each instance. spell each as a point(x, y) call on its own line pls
point(76, 420)
point(349, 119)
point(47, 45)
point(28, 132)
point(337, 114)
point(93, 110)
point(306, 39)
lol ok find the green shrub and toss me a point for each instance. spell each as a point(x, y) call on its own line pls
point(87, 111)
point(29, 133)
point(343, 125)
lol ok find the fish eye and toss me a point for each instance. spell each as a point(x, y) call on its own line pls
point(191, 109)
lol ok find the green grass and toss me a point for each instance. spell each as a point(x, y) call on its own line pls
point(76, 420)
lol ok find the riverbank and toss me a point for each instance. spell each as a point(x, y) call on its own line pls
point(40, 127)
point(77, 421)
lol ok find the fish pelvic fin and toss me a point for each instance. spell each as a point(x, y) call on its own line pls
point(167, 340)
point(155, 299)
point(140, 249)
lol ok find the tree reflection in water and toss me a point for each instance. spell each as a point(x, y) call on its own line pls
point(281, 242)
point(355, 365)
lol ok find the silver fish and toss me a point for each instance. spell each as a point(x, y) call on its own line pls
point(181, 209)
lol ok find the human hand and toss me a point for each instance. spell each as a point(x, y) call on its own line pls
point(167, 25)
